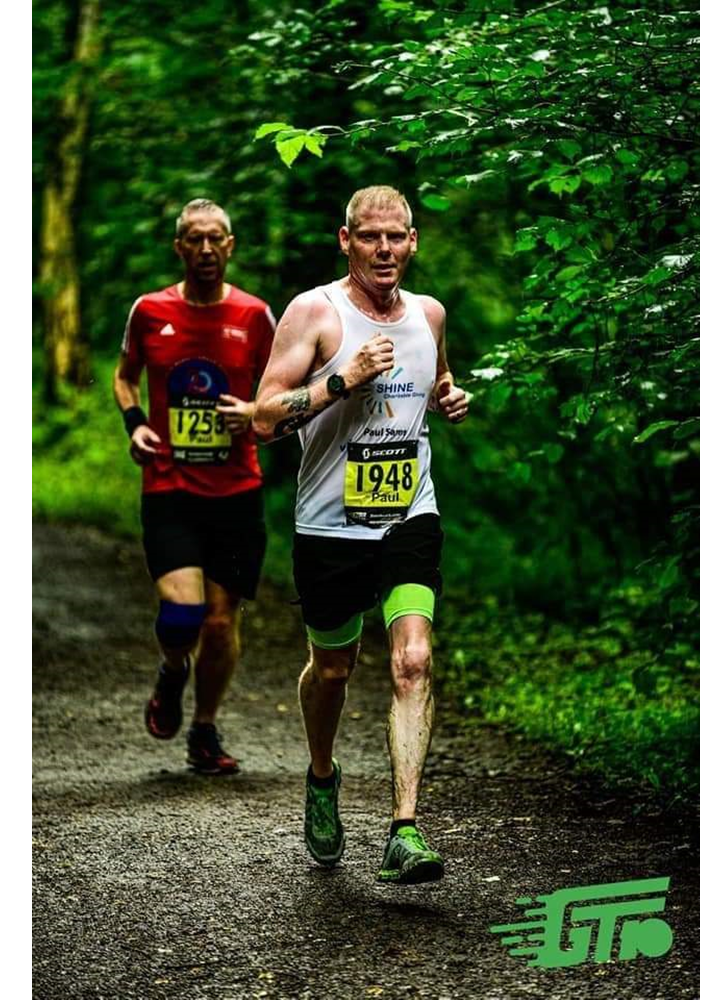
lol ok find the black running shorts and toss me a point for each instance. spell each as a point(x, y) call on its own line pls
point(225, 536)
point(338, 578)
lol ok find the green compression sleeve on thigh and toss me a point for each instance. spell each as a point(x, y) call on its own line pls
point(408, 599)
point(334, 639)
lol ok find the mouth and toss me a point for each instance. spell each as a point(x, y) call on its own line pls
point(384, 269)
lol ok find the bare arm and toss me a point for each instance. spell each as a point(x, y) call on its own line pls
point(448, 399)
point(284, 403)
point(126, 384)
point(127, 393)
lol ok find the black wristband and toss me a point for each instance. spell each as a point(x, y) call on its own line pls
point(133, 417)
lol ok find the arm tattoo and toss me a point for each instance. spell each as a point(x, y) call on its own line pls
point(298, 401)
point(290, 424)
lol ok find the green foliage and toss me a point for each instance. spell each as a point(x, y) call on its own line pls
point(594, 694)
point(81, 467)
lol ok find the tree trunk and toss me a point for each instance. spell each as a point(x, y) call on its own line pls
point(67, 357)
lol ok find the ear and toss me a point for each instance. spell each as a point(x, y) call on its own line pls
point(177, 247)
point(231, 243)
point(414, 240)
point(344, 236)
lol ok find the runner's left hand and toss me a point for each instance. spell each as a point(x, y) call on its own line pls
point(237, 413)
point(452, 402)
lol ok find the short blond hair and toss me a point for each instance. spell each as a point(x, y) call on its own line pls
point(378, 196)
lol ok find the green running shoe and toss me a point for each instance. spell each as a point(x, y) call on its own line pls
point(323, 830)
point(409, 859)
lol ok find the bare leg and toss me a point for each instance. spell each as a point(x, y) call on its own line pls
point(218, 651)
point(411, 717)
point(322, 691)
point(183, 587)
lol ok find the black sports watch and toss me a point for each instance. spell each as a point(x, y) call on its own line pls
point(336, 386)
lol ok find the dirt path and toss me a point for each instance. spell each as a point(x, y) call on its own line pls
point(151, 882)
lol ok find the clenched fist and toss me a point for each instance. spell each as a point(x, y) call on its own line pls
point(143, 445)
point(372, 358)
point(452, 402)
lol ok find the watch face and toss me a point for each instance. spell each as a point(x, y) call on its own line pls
point(336, 384)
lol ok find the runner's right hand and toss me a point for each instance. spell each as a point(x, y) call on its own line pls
point(143, 440)
point(372, 358)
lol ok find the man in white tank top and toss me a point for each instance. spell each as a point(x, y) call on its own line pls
point(354, 368)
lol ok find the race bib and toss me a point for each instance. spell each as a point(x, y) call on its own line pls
point(380, 482)
point(197, 433)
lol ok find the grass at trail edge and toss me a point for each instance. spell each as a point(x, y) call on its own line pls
point(614, 709)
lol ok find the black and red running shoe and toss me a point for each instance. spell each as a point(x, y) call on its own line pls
point(205, 754)
point(164, 709)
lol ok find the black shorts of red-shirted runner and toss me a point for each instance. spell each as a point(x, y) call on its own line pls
point(225, 536)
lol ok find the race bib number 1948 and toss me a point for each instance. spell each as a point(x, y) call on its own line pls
point(380, 482)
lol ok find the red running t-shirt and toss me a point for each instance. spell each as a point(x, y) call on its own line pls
point(193, 354)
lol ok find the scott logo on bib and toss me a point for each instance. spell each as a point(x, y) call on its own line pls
point(380, 482)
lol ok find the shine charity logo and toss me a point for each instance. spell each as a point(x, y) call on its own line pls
point(591, 924)
point(377, 394)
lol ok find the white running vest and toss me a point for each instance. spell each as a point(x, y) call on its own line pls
point(366, 460)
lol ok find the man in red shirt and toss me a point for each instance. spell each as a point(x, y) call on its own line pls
point(204, 343)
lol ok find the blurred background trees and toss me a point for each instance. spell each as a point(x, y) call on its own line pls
point(549, 152)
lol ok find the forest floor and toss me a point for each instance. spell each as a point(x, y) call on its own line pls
point(152, 882)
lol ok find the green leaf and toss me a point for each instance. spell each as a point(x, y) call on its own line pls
point(567, 184)
point(315, 144)
point(569, 148)
point(270, 127)
point(670, 574)
point(652, 429)
point(437, 203)
point(521, 472)
point(289, 149)
point(657, 275)
point(404, 145)
point(553, 452)
point(676, 170)
point(599, 173)
point(557, 240)
point(565, 274)
point(525, 239)
point(583, 412)
point(626, 156)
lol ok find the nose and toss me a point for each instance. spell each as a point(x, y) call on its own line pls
point(206, 246)
point(383, 244)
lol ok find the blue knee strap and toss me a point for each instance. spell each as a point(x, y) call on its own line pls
point(178, 626)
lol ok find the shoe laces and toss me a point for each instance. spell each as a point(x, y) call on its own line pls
point(415, 838)
point(324, 805)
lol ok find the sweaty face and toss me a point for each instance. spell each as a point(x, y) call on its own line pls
point(205, 247)
point(379, 247)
